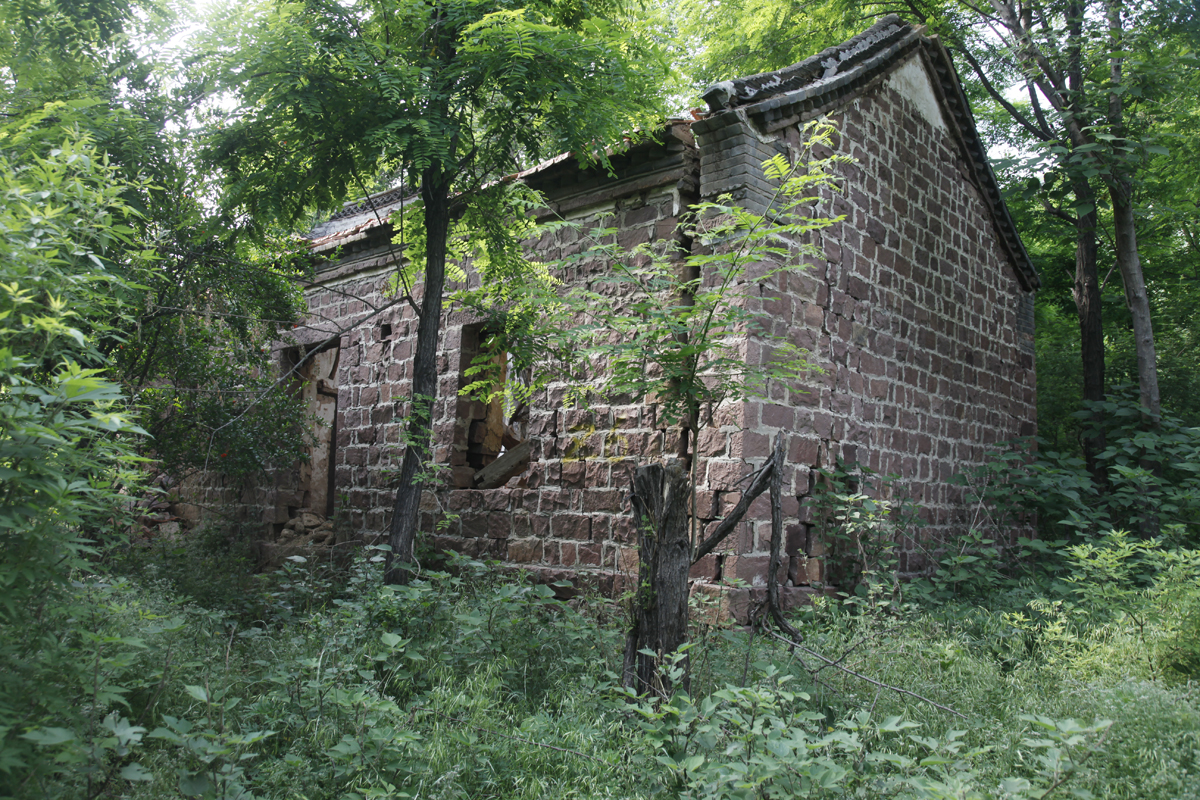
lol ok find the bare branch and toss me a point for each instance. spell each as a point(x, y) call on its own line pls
point(1041, 133)
point(762, 480)
point(860, 676)
point(1055, 211)
point(391, 252)
point(333, 336)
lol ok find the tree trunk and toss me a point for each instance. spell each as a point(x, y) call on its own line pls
point(775, 566)
point(1130, 264)
point(660, 604)
point(1120, 191)
point(1091, 325)
point(405, 517)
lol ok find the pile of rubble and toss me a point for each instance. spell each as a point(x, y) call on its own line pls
point(154, 513)
point(307, 528)
point(306, 534)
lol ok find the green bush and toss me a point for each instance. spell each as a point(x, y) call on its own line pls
point(474, 684)
point(1151, 479)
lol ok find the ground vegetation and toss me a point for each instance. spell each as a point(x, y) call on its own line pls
point(1064, 665)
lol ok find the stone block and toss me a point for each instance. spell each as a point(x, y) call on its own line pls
point(499, 525)
point(627, 560)
point(522, 525)
point(588, 555)
point(778, 416)
point(474, 525)
point(623, 529)
point(571, 526)
point(711, 442)
point(497, 499)
point(749, 568)
point(705, 569)
point(746, 444)
point(804, 451)
point(574, 473)
point(460, 500)
point(610, 500)
point(525, 551)
point(725, 474)
point(706, 504)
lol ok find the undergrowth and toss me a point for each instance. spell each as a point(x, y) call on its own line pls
point(321, 682)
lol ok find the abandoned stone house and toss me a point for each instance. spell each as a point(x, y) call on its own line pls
point(920, 314)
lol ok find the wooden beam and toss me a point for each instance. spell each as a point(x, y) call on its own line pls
point(509, 464)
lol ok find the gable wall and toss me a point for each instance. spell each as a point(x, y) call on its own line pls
point(914, 314)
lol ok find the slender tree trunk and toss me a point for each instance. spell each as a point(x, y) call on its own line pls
point(660, 604)
point(1120, 190)
point(1091, 327)
point(1130, 264)
point(405, 513)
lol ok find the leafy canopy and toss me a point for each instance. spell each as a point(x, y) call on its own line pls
point(66, 435)
point(339, 96)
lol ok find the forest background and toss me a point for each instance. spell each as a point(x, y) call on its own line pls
point(155, 164)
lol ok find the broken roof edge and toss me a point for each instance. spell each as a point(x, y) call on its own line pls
point(837, 71)
point(357, 218)
point(822, 66)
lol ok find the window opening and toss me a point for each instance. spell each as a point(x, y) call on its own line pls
point(493, 435)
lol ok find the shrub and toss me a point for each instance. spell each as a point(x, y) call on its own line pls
point(1151, 479)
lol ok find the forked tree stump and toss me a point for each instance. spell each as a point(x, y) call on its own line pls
point(660, 603)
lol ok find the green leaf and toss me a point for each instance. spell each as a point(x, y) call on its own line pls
point(192, 785)
point(892, 724)
point(198, 692)
point(136, 772)
point(47, 737)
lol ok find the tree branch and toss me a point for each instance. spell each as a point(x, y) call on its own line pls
point(391, 252)
point(1040, 133)
point(762, 480)
point(862, 677)
point(1055, 211)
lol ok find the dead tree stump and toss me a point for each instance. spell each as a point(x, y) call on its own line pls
point(660, 618)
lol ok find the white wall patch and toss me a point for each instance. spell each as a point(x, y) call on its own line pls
point(911, 81)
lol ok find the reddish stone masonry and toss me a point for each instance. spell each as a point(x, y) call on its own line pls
point(919, 315)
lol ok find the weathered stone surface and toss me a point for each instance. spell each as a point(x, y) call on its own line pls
point(914, 315)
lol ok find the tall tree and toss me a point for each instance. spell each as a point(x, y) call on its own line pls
point(442, 95)
point(1078, 68)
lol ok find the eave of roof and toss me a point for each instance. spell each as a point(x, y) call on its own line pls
point(357, 219)
point(781, 98)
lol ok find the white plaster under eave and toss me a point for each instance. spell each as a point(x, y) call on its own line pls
point(912, 81)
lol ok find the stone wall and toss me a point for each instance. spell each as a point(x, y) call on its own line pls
point(914, 314)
